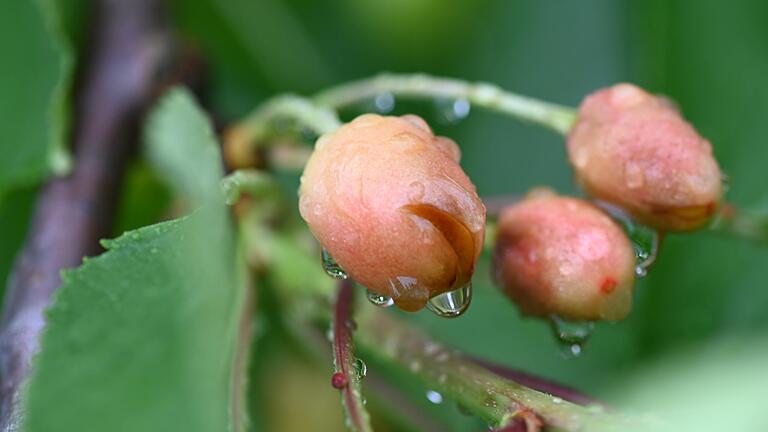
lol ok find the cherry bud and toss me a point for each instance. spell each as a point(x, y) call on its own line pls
point(635, 150)
point(561, 256)
point(389, 202)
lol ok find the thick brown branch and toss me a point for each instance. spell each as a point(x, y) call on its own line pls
point(74, 212)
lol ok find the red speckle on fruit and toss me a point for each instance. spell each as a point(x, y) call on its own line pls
point(339, 380)
point(608, 285)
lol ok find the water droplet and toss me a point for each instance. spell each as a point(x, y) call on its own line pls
point(452, 303)
point(571, 334)
point(645, 240)
point(454, 110)
point(360, 369)
point(434, 397)
point(725, 181)
point(379, 299)
point(385, 102)
point(557, 400)
point(331, 267)
point(351, 324)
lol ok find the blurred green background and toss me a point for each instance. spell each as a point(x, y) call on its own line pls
point(711, 57)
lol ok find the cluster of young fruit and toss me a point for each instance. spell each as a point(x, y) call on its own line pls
point(389, 202)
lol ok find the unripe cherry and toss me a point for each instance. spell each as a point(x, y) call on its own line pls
point(389, 202)
point(564, 257)
point(635, 150)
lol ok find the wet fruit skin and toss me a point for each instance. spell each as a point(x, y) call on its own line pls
point(635, 150)
point(391, 204)
point(563, 256)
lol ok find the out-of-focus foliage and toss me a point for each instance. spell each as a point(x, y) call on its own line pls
point(143, 336)
point(38, 44)
point(37, 73)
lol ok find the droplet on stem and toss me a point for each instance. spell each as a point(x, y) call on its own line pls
point(385, 102)
point(434, 397)
point(360, 368)
point(379, 299)
point(331, 267)
point(452, 303)
point(454, 110)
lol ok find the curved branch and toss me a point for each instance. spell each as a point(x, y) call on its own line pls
point(552, 116)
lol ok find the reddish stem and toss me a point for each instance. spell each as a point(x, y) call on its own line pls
point(345, 377)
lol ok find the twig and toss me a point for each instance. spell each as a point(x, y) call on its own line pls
point(538, 383)
point(318, 113)
point(555, 117)
point(74, 212)
point(495, 399)
point(347, 378)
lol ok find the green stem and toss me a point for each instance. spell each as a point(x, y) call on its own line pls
point(555, 117)
point(258, 184)
point(260, 124)
point(495, 399)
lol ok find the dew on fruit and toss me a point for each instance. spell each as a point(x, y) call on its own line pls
point(379, 300)
point(452, 303)
point(571, 334)
point(331, 267)
point(645, 240)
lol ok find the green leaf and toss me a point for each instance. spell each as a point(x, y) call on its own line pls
point(142, 337)
point(181, 145)
point(34, 107)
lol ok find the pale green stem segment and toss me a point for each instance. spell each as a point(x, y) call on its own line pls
point(495, 399)
point(260, 124)
point(258, 184)
point(552, 116)
point(319, 112)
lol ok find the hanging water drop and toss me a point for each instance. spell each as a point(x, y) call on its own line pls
point(385, 102)
point(571, 334)
point(360, 368)
point(725, 181)
point(645, 240)
point(434, 397)
point(379, 299)
point(331, 267)
point(452, 303)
